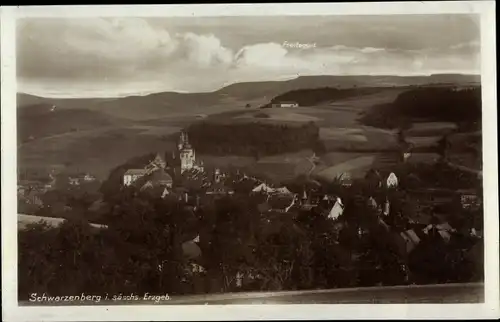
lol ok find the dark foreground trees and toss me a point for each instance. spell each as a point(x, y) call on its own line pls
point(241, 248)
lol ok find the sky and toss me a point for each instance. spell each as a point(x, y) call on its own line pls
point(113, 57)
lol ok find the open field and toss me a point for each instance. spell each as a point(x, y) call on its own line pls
point(284, 115)
point(431, 128)
point(96, 152)
point(148, 124)
point(355, 167)
point(423, 141)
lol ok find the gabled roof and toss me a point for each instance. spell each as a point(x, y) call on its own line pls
point(136, 172)
point(283, 190)
point(160, 176)
point(191, 250)
point(263, 188)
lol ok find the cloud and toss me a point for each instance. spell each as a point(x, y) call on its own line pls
point(127, 55)
point(205, 50)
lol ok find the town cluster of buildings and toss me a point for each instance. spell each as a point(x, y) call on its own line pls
point(31, 188)
point(171, 175)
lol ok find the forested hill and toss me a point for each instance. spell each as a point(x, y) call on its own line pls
point(439, 104)
point(252, 139)
point(313, 96)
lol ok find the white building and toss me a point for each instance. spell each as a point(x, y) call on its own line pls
point(285, 104)
point(337, 210)
point(132, 175)
point(392, 180)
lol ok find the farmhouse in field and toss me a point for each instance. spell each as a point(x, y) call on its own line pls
point(285, 104)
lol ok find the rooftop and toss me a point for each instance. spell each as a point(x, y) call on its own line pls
point(136, 172)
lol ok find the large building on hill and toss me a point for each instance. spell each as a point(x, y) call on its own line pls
point(285, 104)
point(153, 174)
point(158, 172)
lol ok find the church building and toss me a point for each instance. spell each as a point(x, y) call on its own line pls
point(187, 154)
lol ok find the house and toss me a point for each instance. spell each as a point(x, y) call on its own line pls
point(372, 203)
point(285, 104)
point(157, 163)
point(411, 239)
point(80, 178)
point(387, 208)
point(283, 191)
point(337, 210)
point(443, 229)
point(132, 175)
point(345, 179)
point(158, 178)
point(33, 198)
point(263, 188)
point(74, 181)
point(469, 199)
point(432, 196)
point(392, 180)
point(219, 189)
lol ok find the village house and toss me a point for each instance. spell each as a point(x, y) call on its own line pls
point(152, 174)
point(337, 210)
point(80, 178)
point(158, 178)
point(220, 189)
point(392, 180)
point(469, 199)
point(132, 175)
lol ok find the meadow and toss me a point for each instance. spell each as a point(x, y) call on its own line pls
point(123, 131)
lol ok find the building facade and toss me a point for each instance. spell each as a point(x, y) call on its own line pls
point(187, 154)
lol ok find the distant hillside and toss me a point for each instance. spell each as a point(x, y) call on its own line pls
point(271, 89)
point(231, 97)
point(43, 120)
point(313, 96)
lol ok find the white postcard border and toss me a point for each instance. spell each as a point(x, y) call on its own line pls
point(11, 310)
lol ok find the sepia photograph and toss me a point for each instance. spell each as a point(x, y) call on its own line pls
point(166, 160)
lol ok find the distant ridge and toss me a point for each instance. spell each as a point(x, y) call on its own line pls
point(233, 96)
point(313, 80)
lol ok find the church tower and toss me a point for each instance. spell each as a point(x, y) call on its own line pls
point(186, 152)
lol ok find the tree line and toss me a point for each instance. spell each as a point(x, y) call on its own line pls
point(440, 104)
point(253, 139)
point(314, 96)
